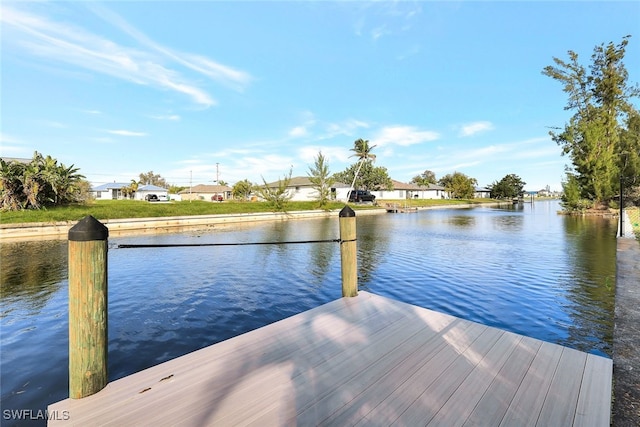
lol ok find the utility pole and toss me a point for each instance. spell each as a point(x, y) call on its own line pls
point(190, 184)
point(217, 174)
point(621, 201)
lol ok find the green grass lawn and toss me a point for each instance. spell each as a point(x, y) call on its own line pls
point(634, 217)
point(115, 209)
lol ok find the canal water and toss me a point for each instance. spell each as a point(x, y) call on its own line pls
point(524, 269)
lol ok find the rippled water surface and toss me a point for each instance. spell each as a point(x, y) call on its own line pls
point(526, 269)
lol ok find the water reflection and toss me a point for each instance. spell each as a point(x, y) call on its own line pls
point(463, 220)
point(31, 273)
point(373, 236)
point(592, 278)
point(322, 254)
point(508, 222)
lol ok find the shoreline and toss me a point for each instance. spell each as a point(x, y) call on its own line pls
point(22, 232)
point(626, 335)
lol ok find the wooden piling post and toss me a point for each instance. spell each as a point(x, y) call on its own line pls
point(88, 338)
point(348, 249)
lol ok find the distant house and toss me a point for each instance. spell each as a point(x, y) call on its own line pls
point(300, 188)
point(206, 192)
point(482, 193)
point(109, 191)
point(143, 191)
point(403, 190)
point(16, 160)
point(113, 191)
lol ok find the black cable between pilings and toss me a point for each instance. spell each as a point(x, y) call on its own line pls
point(188, 245)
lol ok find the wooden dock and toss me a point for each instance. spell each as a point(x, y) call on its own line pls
point(396, 208)
point(366, 360)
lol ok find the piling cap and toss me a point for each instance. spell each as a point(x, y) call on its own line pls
point(346, 212)
point(88, 229)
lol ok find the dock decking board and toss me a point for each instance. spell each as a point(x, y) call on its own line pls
point(367, 360)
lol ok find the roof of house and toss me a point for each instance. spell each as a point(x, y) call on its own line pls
point(201, 188)
point(150, 187)
point(296, 181)
point(111, 186)
point(16, 160)
point(303, 181)
point(397, 185)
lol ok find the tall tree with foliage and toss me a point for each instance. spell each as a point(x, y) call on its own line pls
point(321, 179)
point(425, 178)
point(151, 178)
point(508, 187)
point(242, 189)
point(601, 100)
point(278, 196)
point(459, 185)
point(630, 155)
point(572, 200)
point(369, 177)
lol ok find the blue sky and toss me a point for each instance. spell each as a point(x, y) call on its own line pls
point(252, 89)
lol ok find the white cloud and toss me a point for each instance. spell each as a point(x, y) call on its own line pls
point(13, 147)
point(380, 31)
point(298, 132)
point(122, 132)
point(475, 127)
point(7, 139)
point(70, 44)
point(403, 136)
point(54, 124)
point(348, 127)
point(332, 154)
point(214, 70)
point(170, 117)
point(271, 166)
point(411, 51)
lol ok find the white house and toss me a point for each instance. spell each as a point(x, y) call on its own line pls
point(113, 191)
point(143, 191)
point(300, 188)
point(403, 191)
point(109, 191)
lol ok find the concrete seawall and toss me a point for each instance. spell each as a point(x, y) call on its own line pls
point(626, 335)
point(130, 226)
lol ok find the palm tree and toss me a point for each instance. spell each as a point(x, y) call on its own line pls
point(32, 184)
point(11, 190)
point(130, 189)
point(362, 151)
point(67, 184)
point(50, 178)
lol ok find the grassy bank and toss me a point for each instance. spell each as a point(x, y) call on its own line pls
point(634, 217)
point(116, 209)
